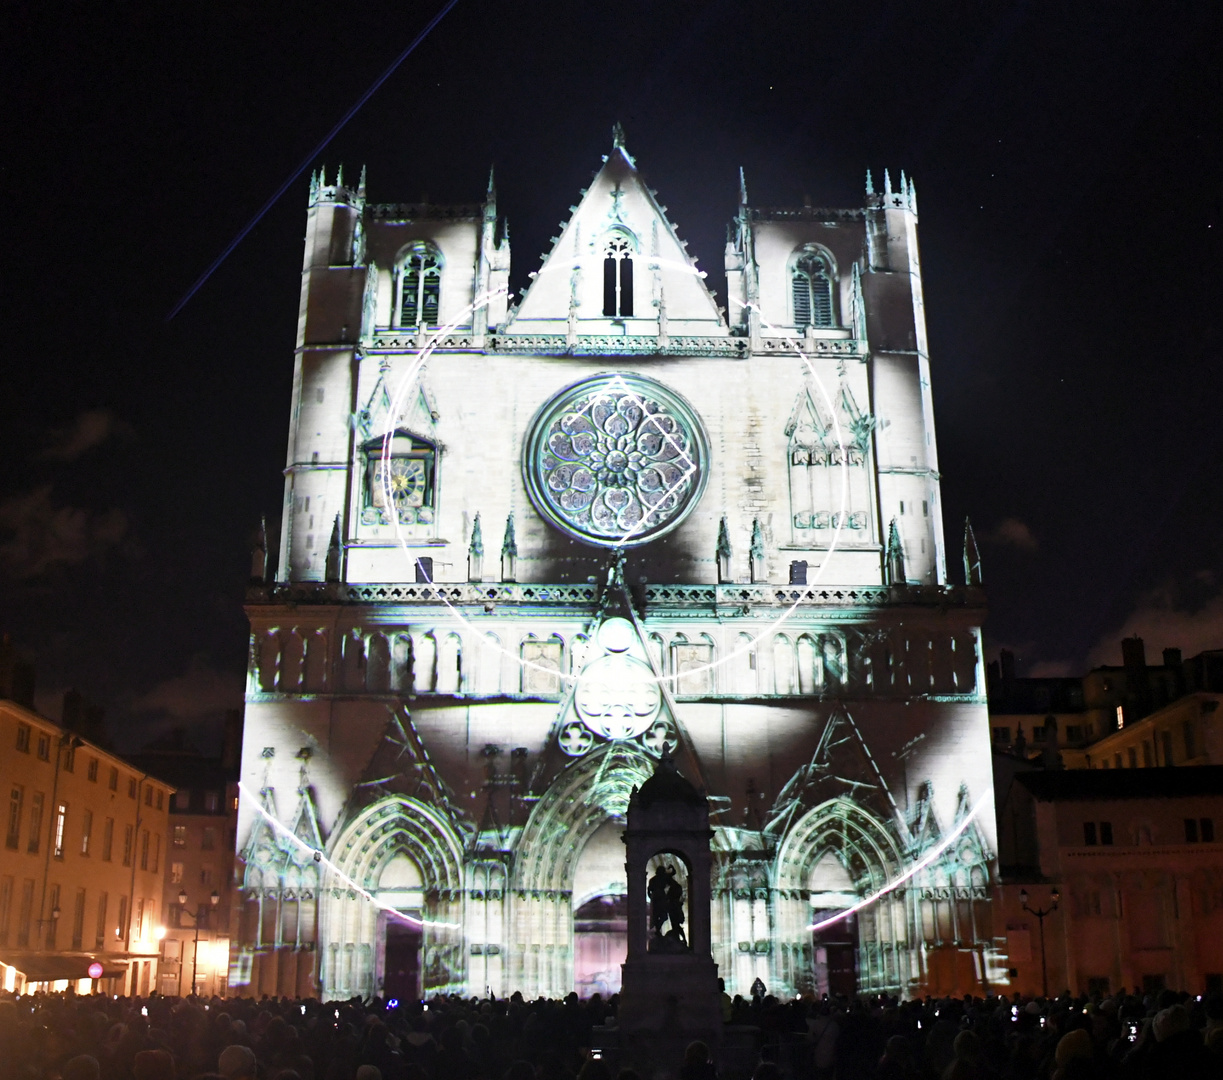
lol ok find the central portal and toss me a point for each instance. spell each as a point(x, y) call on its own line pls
point(600, 913)
point(402, 971)
point(835, 946)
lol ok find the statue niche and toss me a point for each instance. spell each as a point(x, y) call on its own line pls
point(666, 892)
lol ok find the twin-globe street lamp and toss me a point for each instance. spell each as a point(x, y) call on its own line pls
point(1040, 914)
point(213, 900)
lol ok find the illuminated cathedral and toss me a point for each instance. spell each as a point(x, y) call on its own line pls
point(530, 543)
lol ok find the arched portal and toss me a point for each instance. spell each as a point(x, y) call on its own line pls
point(600, 912)
point(834, 855)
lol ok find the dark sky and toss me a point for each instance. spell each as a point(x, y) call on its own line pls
point(1068, 159)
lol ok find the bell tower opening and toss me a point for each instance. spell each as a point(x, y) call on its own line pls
point(835, 946)
point(600, 913)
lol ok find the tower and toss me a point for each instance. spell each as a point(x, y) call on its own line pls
point(722, 538)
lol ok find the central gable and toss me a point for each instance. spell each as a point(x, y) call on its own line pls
point(618, 268)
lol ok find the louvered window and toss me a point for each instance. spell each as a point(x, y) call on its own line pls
point(812, 287)
point(420, 287)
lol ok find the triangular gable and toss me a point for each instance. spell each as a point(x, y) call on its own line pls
point(416, 413)
point(669, 294)
point(841, 766)
point(305, 824)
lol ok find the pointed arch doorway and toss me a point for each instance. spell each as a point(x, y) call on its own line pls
point(834, 948)
point(600, 912)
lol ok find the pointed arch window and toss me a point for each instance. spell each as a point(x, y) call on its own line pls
point(618, 276)
point(811, 285)
point(420, 286)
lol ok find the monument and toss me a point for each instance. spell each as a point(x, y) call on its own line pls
point(670, 982)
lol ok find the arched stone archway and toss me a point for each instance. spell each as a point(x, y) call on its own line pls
point(867, 850)
point(376, 840)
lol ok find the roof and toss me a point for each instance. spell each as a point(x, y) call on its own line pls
point(668, 784)
point(1160, 783)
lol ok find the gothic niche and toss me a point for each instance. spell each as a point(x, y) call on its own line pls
point(829, 480)
point(400, 481)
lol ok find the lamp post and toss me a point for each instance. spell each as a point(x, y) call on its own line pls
point(1040, 914)
point(213, 900)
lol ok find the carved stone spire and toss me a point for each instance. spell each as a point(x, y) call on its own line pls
point(724, 554)
point(742, 187)
point(757, 552)
point(870, 184)
point(617, 136)
point(509, 551)
point(896, 556)
point(972, 557)
point(475, 552)
point(332, 569)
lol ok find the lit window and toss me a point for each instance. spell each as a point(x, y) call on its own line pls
point(618, 276)
point(811, 286)
point(420, 286)
point(176, 873)
point(1120, 715)
point(180, 835)
point(401, 477)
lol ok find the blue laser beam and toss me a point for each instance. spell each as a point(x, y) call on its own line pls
point(309, 159)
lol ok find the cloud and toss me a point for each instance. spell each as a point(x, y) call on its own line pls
point(91, 428)
point(1052, 669)
point(201, 691)
point(1163, 621)
point(36, 534)
point(1015, 533)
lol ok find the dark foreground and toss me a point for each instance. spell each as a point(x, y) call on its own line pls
point(1172, 1037)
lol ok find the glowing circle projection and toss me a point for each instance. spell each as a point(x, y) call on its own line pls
point(616, 460)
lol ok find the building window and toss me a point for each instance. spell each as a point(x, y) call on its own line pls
point(148, 796)
point(25, 913)
point(156, 852)
point(1132, 756)
point(182, 799)
point(209, 841)
point(131, 787)
point(176, 873)
point(113, 783)
point(144, 849)
point(1207, 830)
point(1074, 733)
point(180, 835)
point(205, 876)
point(36, 805)
point(1191, 830)
point(1106, 833)
point(811, 285)
point(61, 820)
point(44, 748)
point(129, 835)
point(618, 276)
point(399, 481)
point(23, 738)
point(1190, 741)
point(138, 920)
point(1002, 734)
point(212, 801)
point(70, 758)
point(108, 839)
point(53, 917)
point(174, 916)
point(1089, 833)
point(121, 928)
point(78, 920)
point(420, 286)
point(1146, 755)
point(99, 936)
point(541, 666)
point(6, 906)
point(1166, 739)
point(12, 836)
point(86, 830)
point(92, 772)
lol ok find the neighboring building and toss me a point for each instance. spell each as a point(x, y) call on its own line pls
point(1187, 732)
point(1137, 857)
point(715, 531)
point(81, 865)
point(200, 859)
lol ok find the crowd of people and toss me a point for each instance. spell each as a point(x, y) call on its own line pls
point(68, 1037)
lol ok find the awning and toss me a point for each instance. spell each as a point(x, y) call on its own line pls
point(49, 967)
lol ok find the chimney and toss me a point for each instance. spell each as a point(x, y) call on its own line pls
point(1133, 654)
point(231, 741)
point(1007, 659)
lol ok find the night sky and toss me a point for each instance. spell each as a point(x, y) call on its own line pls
point(1068, 159)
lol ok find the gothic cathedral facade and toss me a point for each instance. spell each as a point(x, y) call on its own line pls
point(529, 544)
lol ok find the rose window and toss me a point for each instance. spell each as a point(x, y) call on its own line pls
point(616, 460)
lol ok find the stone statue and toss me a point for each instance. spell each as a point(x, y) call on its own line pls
point(658, 891)
point(675, 909)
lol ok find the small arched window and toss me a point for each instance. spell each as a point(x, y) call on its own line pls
point(420, 286)
point(618, 276)
point(812, 288)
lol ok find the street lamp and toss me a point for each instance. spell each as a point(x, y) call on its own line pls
point(1040, 914)
point(213, 900)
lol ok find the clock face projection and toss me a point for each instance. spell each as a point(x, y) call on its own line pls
point(616, 460)
point(405, 479)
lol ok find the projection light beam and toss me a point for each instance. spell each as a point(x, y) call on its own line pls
point(309, 159)
point(322, 859)
point(913, 870)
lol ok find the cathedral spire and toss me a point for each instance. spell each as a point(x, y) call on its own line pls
point(361, 184)
point(617, 136)
point(490, 195)
point(887, 182)
point(756, 553)
point(972, 557)
point(723, 552)
point(332, 567)
point(870, 184)
point(475, 552)
point(742, 187)
point(509, 551)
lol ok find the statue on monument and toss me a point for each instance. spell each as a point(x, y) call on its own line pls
point(667, 905)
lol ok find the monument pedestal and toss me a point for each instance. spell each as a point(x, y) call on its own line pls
point(667, 1001)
